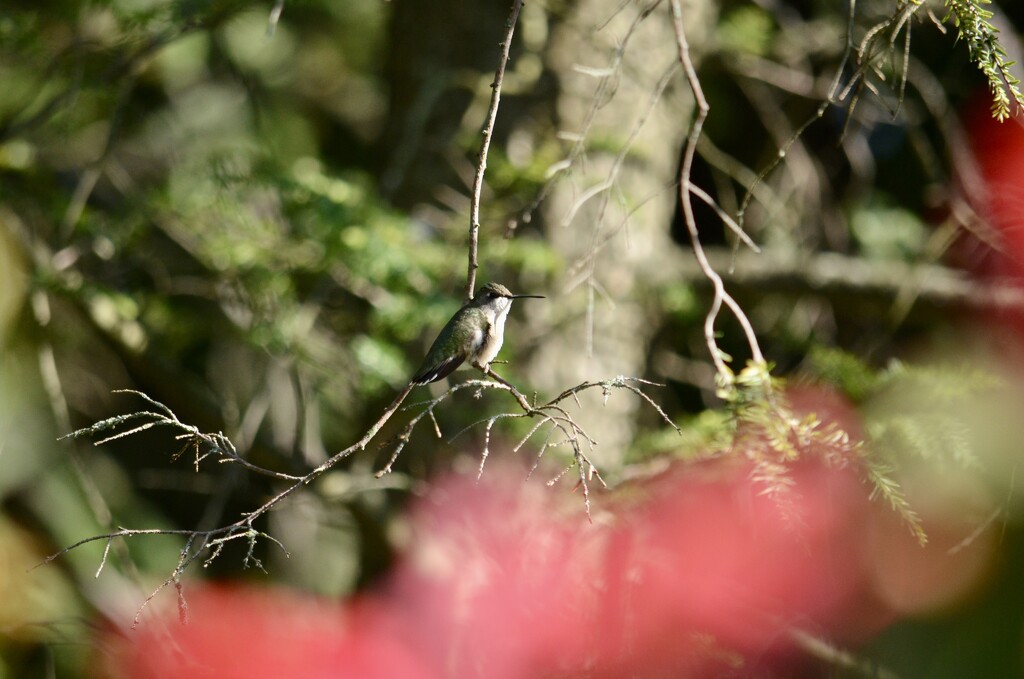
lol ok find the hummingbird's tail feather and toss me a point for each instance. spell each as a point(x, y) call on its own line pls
point(433, 373)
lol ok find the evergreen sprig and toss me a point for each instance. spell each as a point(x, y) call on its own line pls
point(773, 436)
point(972, 20)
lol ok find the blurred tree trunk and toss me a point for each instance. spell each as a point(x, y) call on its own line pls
point(610, 326)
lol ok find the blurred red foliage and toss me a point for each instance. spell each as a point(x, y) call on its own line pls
point(255, 633)
point(998, 152)
point(694, 573)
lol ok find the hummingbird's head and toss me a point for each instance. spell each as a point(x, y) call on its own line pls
point(498, 296)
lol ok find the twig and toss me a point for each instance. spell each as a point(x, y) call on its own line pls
point(274, 18)
point(217, 443)
point(977, 532)
point(485, 145)
point(840, 659)
point(549, 412)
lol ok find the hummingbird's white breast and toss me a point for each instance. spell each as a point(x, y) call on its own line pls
point(491, 338)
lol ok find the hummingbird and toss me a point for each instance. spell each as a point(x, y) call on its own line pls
point(475, 332)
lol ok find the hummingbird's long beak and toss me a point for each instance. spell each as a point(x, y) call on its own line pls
point(527, 297)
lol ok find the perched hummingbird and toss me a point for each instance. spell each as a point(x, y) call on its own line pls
point(475, 332)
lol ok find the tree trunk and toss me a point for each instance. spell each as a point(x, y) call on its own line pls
point(606, 291)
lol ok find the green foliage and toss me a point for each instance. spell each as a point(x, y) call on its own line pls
point(707, 433)
point(753, 385)
point(909, 412)
point(885, 232)
point(925, 412)
point(882, 64)
point(746, 29)
point(281, 241)
point(769, 434)
point(855, 378)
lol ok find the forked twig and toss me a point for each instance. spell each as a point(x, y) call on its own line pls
point(686, 200)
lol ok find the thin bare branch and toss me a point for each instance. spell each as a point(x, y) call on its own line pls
point(485, 145)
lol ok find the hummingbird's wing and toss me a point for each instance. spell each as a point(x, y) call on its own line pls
point(433, 373)
point(459, 340)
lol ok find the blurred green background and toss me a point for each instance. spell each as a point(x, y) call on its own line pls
point(261, 223)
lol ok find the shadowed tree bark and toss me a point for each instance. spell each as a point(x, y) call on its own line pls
point(439, 51)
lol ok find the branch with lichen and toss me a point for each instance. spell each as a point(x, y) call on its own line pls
point(552, 416)
point(207, 545)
